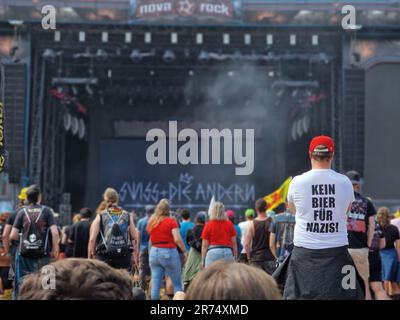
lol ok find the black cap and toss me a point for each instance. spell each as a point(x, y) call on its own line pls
point(32, 194)
point(149, 209)
point(354, 176)
point(85, 213)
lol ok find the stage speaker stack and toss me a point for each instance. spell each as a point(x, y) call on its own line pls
point(14, 79)
point(353, 120)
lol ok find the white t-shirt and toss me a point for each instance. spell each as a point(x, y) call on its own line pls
point(244, 227)
point(321, 198)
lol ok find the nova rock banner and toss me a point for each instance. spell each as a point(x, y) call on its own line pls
point(193, 10)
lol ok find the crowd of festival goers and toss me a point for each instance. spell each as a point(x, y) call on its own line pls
point(164, 254)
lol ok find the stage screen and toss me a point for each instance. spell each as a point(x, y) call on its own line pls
point(123, 166)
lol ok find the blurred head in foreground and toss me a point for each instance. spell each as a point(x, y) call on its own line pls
point(77, 279)
point(233, 281)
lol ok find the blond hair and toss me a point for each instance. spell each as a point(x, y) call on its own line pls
point(383, 216)
point(218, 212)
point(76, 218)
point(233, 281)
point(160, 213)
point(111, 197)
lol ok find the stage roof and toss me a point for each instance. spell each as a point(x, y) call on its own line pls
point(204, 12)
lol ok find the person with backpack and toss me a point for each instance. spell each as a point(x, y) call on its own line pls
point(111, 234)
point(39, 236)
point(257, 239)
point(164, 257)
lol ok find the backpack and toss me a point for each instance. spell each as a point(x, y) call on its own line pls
point(33, 244)
point(114, 243)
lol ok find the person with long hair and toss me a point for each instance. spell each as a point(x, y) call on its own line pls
point(164, 257)
point(117, 232)
point(219, 237)
point(390, 255)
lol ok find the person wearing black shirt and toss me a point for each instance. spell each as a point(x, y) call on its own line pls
point(390, 255)
point(360, 230)
point(40, 219)
point(79, 234)
point(375, 264)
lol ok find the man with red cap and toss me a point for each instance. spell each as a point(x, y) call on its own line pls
point(320, 266)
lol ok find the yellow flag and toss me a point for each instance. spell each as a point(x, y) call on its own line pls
point(278, 197)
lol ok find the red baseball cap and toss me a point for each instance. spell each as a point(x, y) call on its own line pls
point(230, 214)
point(322, 141)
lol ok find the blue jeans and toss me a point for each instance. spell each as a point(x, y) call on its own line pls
point(215, 254)
point(164, 261)
point(25, 266)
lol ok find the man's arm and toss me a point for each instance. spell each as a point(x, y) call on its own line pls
point(94, 232)
point(204, 248)
point(134, 233)
point(371, 229)
point(397, 245)
point(56, 239)
point(14, 234)
point(272, 244)
point(5, 238)
point(292, 207)
point(249, 238)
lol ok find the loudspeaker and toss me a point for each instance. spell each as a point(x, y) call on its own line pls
point(14, 76)
point(353, 134)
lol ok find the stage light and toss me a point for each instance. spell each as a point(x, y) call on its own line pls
point(226, 39)
point(81, 129)
point(74, 126)
point(231, 73)
point(271, 73)
point(174, 38)
point(102, 54)
point(147, 37)
point(314, 40)
point(292, 39)
point(89, 90)
point(280, 92)
point(57, 36)
point(49, 54)
point(128, 37)
point(67, 121)
point(104, 37)
point(204, 56)
point(199, 38)
point(247, 39)
point(82, 36)
point(270, 39)
point(74, 90)
point(191, 73)
point(169, 56)
point(135, 55)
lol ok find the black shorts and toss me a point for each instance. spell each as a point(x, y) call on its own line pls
point(375, 266)
point(124, 262)
point(267, 266)
point(4, 278)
